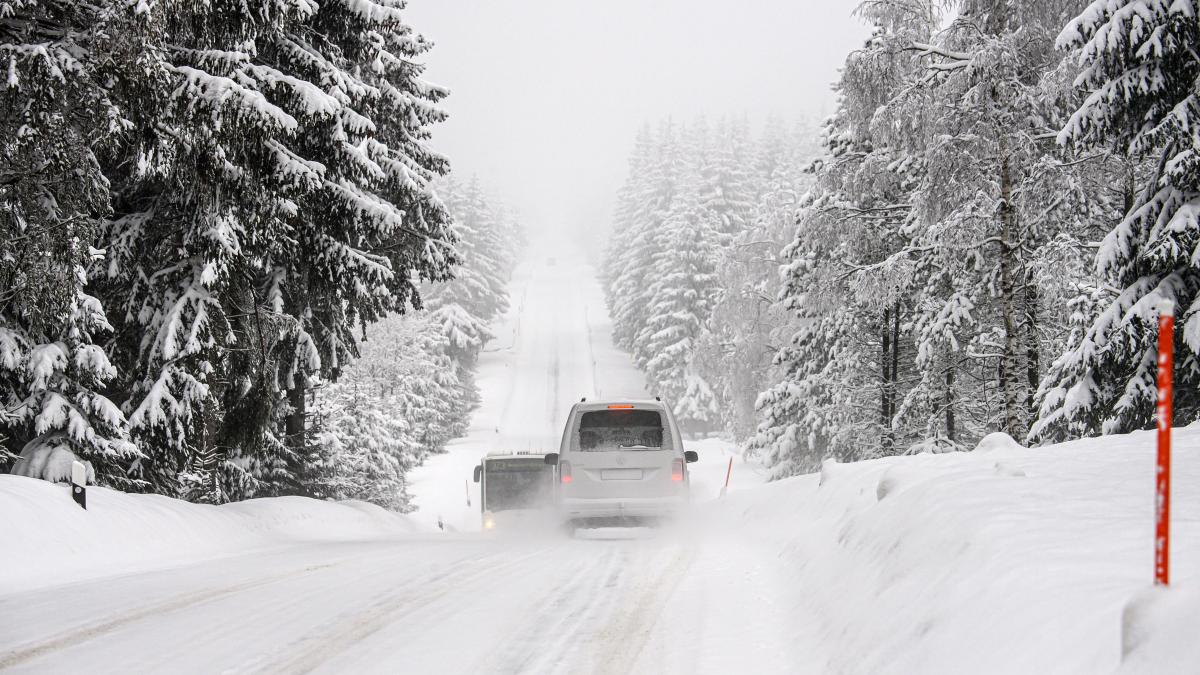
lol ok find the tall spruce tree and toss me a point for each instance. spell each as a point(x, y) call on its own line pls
point(274, 197)
point(850, 279)
point(56, 114)
point(1140, 69)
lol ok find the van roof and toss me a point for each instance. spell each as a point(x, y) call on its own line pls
point(636, 404)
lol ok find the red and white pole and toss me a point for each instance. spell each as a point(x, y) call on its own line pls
point(1162, 483)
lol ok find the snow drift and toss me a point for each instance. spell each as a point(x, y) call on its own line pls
point(49, 540)
point(1008, 560)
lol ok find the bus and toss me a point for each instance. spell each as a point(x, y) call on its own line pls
point(513, 483)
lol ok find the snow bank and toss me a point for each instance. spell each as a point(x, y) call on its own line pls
point(1159, 631)
point(1008, 560)
point(49, 540)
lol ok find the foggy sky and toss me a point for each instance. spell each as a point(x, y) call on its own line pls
point(547, 95)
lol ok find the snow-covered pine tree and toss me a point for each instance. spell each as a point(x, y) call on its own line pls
point(413, 388)
point(373, 227)
point(994, 196)
point(940, 156)
point(463, 308)
point(682, 294)
point(654, 185)
point(726, 185)
point(480, 286)
point(439, 406)
point(685, 218)
point(275, 197)
point(390, 409)
point(849, 279)
point(981, 144)
point(1140, 69)
point(625, 225)
point(671, 274)
point(366, 452)
point(737, 350)
point(55, 110)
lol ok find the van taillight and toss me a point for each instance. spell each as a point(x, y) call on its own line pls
point(677, 470)
point(564, 472)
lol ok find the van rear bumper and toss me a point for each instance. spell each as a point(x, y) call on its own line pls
point(621, 507)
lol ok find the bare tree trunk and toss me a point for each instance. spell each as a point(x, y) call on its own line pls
point(890, 368)
point(297, 400)
point(295, 423)
point(951, 432)
point(1033, 364)
point(895, 355)
point(1130, 186)
point(1008, 358)
point(886, 389)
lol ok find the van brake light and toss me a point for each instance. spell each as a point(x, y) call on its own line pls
point(564, 472)
point(620, 406)
point(677, 470)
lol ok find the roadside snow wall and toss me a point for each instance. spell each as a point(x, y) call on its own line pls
point(46, 539)
point(1005, 560)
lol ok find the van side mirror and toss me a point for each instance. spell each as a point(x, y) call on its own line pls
point(551, 458)
point(690, 456)
point(478, 472)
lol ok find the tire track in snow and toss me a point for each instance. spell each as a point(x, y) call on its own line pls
point(100, 628)
point(564, 653)
point(622, 639)
point(343, 631)
point(603, 625)
point(558, 613)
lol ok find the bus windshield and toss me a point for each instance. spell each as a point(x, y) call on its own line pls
point(522, 483)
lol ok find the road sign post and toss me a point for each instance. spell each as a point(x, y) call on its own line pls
point(1162, 482)
point(79, 484)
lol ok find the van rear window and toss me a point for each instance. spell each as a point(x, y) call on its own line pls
point(601, 430)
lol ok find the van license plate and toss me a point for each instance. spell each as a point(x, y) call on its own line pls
point(621, 474)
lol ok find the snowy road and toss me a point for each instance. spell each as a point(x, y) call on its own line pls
point(435, 604)
point(454, 602)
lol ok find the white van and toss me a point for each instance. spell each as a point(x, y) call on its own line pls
point(621, 461)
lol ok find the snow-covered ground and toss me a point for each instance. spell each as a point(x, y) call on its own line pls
point(1007, 560)
point(48, 540)
point(1004, 560)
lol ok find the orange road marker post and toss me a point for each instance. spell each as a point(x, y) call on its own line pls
point(1162, 482)
point(728, 472)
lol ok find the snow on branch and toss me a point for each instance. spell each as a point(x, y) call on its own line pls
point(220, 91)
point(954, 59)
